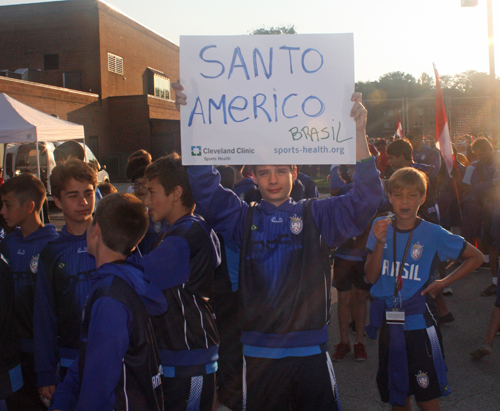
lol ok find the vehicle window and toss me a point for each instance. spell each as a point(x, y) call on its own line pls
point(92, 160)
point(8, 164)
point(26, 160)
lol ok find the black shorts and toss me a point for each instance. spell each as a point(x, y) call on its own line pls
point(291, 383)
point(347, 273)
point(423, 380)
point(189, 393)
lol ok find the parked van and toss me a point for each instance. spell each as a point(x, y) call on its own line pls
point(21, 158)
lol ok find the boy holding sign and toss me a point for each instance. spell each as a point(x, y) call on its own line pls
point(284, 276)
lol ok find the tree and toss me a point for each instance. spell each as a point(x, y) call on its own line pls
point(426, 80)
point(471, 82)
point(397, 76)
point(275, 30)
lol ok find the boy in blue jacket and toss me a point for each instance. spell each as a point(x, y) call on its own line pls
point(63, 280)
point(11, 378)
point(182, 267)
point(118, 366)
point(22, 198)
point(284, 276)
point(404, 253)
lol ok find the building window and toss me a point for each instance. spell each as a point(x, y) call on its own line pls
point(162, 87)
point(115, 64)
point(72, 80)
point(417, 123)
point(431, 111)
point(419, 111)
point(388, 113)
point(389, 124)
point(51, 62)
point(432, 122)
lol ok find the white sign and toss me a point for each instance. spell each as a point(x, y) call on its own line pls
point(268, 99)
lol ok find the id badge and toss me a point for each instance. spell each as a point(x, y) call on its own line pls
point(395, 316)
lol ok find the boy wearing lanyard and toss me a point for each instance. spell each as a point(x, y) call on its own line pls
point(410, 355)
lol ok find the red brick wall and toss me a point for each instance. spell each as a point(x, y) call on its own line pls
point(78, 107)
point(67, 28)
point(139, 47)
point(82, 32)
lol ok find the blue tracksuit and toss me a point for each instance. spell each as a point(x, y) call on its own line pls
point(23, 253)
point(117, 367)
point(276, 323)
point(62, 287)
point(182, 267)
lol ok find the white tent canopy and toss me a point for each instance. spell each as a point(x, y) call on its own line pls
point(22, 123)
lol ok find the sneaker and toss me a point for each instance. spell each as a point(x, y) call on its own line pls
point(480, 351)
point(489, 291)
point(360, 352)
point(447, 291)
point(341, 350)
point(352, 327)
point(447, 318)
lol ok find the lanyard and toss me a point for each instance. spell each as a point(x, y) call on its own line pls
point(399, 279)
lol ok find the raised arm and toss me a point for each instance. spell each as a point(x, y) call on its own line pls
point(343, 217)
point(221, 208)
point(359, 114)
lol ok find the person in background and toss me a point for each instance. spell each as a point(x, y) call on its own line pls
point(106, 188)
point(11, 376)
point(310, 188)
point(383, 159)
point(22, 199)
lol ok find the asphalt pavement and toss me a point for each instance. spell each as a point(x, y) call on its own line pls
point(475, 384)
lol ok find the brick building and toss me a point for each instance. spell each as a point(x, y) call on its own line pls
point(90, 64)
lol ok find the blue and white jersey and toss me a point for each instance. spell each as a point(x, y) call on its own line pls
point(430, 244)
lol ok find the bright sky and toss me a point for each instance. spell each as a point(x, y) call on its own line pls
point(389, 35)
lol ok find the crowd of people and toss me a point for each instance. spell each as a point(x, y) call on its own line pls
point(213, 284)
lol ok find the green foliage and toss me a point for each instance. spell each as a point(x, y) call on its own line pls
point(275, 30)
point(398, 84)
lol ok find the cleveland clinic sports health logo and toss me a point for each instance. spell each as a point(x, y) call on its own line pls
point(196, 150)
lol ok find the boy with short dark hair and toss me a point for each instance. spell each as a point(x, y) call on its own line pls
point(404, 252)
point(118, 366)
point(22, 198)
point(155, 230)
point(63, 280)
point(182, 266)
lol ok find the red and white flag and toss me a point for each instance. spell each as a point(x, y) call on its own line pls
point(443, 140)
point(399, 129)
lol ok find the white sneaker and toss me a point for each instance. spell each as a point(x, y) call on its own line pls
point(447, 291)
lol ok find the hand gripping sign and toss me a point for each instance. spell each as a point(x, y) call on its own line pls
point(268, 99)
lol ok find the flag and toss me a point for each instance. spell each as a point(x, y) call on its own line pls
point(443, 140)
point(399, 129)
